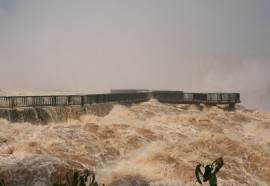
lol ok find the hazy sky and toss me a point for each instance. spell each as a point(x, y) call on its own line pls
point(95, 46)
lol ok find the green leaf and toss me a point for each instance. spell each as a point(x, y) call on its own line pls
point(75, 178)
point(93, 179)
point(207, 173)
point(82, 182)
point(213, 180)
point(86, 173)
point(217, 164)
point(2, 183)
point(198, 172)
point(68, 177)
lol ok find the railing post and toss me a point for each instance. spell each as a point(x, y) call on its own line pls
point(82, 100)
point(53, 100)
point(33, 101)
point(12, 102)
point(232, 105)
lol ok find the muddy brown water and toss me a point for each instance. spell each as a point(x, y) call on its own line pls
point(142, 144)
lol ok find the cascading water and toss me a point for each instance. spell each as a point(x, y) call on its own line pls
point(143, 144)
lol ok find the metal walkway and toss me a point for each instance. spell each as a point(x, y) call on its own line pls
point(178, 97)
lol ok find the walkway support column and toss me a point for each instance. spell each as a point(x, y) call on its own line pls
point(82, 100)
point(232, 105)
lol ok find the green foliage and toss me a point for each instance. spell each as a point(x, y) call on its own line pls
point(76, 178)
point(209, 172)
point(2, 183)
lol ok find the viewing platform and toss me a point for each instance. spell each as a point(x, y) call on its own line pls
point(121, 96)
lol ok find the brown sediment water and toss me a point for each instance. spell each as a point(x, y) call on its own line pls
point(142, 144)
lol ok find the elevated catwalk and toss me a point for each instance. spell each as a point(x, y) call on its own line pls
point(178, 97)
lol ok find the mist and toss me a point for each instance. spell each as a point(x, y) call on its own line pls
point(95, 46)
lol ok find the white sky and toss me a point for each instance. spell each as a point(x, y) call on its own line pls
point(95, 46)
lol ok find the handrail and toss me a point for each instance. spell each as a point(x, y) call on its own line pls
point(66, 100)
point(89, 99)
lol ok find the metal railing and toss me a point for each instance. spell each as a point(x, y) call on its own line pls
point(162, 96)
point(65, 100)
point(197, 98)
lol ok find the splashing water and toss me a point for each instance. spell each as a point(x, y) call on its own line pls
point(142, 144)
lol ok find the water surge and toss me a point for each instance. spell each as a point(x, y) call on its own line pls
point(142, 144)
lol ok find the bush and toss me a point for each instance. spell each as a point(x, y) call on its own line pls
point(209, 172)
point(77, 178)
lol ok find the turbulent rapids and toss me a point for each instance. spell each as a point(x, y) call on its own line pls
point(141, 144)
